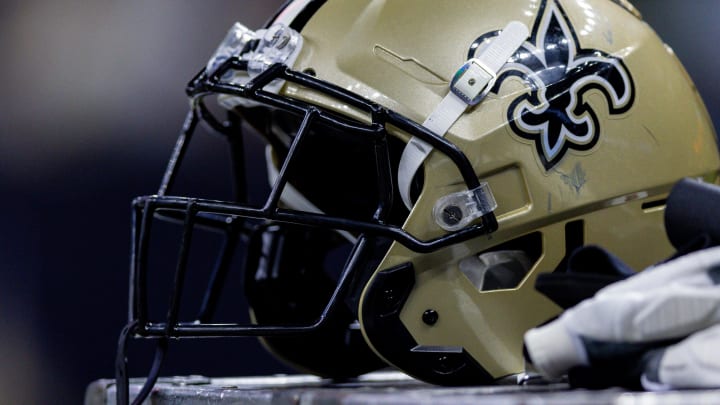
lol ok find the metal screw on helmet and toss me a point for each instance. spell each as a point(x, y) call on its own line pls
point(430, 317)
point(452, 215)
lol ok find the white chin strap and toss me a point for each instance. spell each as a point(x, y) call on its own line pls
point(469, 86)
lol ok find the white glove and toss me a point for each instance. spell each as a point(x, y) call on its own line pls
point(657, 306)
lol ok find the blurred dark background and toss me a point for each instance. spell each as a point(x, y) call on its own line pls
point(93, 100)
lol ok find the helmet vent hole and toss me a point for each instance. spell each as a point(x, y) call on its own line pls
point(654, 205)
point(504, 267)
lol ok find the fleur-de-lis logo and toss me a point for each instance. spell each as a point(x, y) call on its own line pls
point(555, 113)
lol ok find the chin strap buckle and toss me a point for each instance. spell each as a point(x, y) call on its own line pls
point(472, 82)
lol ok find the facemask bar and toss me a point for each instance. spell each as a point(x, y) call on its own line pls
point(202, 86)
point(230, 217)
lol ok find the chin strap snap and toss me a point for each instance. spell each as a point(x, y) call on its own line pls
point(468, 88)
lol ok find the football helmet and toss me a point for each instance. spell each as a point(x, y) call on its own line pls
point(426, 163)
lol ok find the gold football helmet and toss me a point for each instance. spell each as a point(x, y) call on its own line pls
point(427, 161)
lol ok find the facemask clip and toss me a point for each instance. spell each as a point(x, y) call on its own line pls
point(455, 211)
point(260, 49)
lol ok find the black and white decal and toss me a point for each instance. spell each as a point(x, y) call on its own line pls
point(555, 113)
